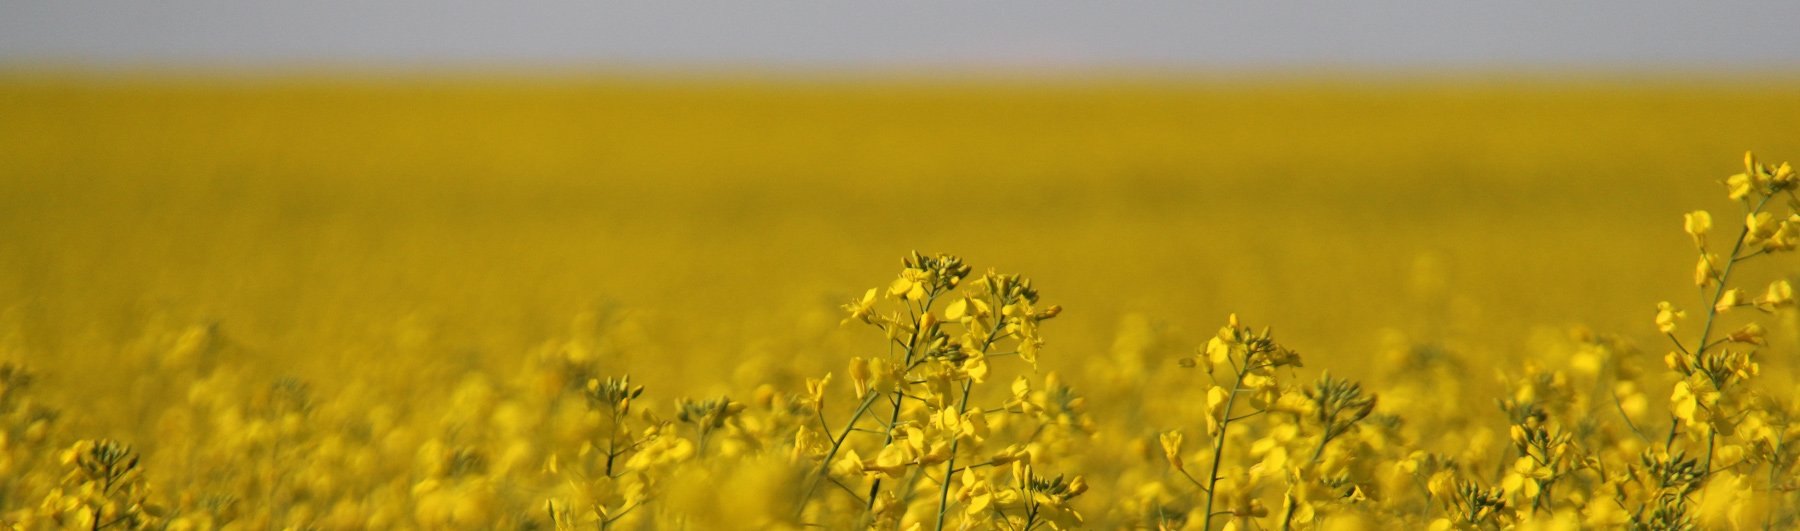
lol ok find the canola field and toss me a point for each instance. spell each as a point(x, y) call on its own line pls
point(748, 303)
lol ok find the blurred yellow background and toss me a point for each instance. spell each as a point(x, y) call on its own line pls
point(309, 218)
point(390, 236)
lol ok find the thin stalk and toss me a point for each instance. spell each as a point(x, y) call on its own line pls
point(1620, 407)
point(1774, 477)
point(912, 348)
point(962, 408)
point(612, 442)
point(1212, 482)
point(950, 464)
point(1287, 509)
point(1712, 311)
point(875, 488)
point(907, 498)
point(893, 418)
point(836, 444)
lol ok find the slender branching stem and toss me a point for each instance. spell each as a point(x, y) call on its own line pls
point(1212, 481)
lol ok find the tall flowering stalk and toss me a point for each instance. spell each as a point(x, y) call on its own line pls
point(1713, 397)
point(944, 329)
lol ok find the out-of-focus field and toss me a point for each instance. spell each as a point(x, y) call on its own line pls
point(383, 240)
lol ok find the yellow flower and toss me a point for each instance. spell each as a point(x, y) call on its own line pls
point(975, 427)
point(965, 309)
point(1666, 315)
point(1526, 476)
point(1218, 350)
point(808, 443)
point(975, 365)
point(891, 462)
point(1171, 445)
point(911, 285)
point(1678, 362)
point(1697, 223)
point(1077, 486)
point(815, 390)
point(860, 374)
point(848, 464)
point(1215, 410)
point(861, 309)
point(1029, 348)
point(1785, 237)
point(1693, 400)
point(1442, 485)
point(885, 374)
point(1704, 270)
point(1758, 227)
point(957, 309)
point(1751, 333)
point(1780, 294)
point(1731, 299)
point(1010, 454)
point(1021, 394)
point(1739, 186)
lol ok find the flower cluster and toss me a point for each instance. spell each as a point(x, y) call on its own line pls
point(1585, 446)
point(926, 453)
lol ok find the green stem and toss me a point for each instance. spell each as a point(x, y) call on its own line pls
point(962, 407)
point(1712, 313)
point(1287, 509)
point(1712, 307)
point(875, 488)
point(1212, 482)
point(894, 417)
point(612, 442)
point(1628, 423)
point(912, 347)
point(836, 444)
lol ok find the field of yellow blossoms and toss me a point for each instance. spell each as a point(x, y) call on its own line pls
point(673, 303)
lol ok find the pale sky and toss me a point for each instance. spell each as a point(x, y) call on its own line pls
point(1648, 35)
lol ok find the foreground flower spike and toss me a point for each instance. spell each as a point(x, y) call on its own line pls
point(104, 489)
point(915, 426)
point(1716, 368)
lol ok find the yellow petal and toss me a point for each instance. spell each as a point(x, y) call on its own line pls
point(956, 310)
